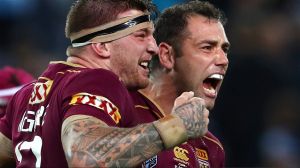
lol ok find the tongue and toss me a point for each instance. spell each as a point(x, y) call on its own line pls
point(208, 88)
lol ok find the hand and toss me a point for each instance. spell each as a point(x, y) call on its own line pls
point(193, 113)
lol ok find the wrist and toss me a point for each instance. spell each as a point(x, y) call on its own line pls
point(171, 130)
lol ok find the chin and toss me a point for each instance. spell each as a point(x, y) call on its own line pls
point(138, 85)
point(144, 83)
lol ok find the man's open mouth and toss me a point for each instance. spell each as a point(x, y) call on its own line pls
point(211, 83)
point(144, 64)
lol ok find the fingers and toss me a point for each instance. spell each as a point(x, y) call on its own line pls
point(198, 100)
point(193, 113)
point(206, 119)
point(205, 113)
point(183, 98)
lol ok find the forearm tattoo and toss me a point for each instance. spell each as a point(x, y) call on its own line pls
point(194, 129)
point(99, 146)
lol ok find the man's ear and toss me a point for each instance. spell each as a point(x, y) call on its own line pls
point(166, 55)
point(101, 49)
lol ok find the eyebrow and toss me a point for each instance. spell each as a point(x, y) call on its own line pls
point(214, 42)
point(226, 44)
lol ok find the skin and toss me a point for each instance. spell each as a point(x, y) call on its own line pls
point(139, 46)
point(93, 144)
point(6, 152)
point(203, 53)
point(121, 56)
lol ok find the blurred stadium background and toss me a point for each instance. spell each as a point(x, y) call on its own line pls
point(256, 117)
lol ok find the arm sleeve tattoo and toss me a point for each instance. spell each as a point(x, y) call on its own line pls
point(88, 142)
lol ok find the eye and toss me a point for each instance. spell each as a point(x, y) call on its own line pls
point(140, 34)
point(226, 49)
point(207, 48)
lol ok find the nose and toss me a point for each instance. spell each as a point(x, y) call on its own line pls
point(222, 59)
point(152, 48)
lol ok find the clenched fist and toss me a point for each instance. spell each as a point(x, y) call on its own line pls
point(193, 113)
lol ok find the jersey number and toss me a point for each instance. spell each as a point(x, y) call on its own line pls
point(35, 146)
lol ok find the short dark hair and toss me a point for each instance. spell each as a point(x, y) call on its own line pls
point(171, 25)
point(91, 13)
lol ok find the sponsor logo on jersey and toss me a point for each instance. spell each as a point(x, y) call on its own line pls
point(40, 92)
point(99, 102)
point(181, 155)
point(201, 154)
point(202, 158)
point(150, 163)
point(180, 165)
point(203, 164)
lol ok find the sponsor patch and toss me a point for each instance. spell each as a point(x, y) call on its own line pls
point(99, 102)
point(203, 164)
point(40, 92)
point(202, 158)
point(201, 154)
point(150, 163)
point(181, 155)
point(180, 165)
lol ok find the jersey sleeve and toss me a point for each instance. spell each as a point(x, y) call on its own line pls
point(95, 92)
point(14, 111)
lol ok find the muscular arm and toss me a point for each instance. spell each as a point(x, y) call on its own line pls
point(88, 142)
point(6, 151)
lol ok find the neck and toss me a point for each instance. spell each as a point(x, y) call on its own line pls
point(162, 91)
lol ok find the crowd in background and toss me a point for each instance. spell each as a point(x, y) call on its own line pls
point(256, 114)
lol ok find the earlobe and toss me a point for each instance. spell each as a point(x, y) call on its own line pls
point(166, 55)
point(101, 49)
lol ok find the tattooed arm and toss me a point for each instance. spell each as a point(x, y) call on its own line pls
point(89, 142)
point(6, 152)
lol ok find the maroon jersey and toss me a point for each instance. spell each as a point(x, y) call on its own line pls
point(35, 114)
point(205, 152)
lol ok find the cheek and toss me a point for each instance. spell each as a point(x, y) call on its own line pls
point(195, 76)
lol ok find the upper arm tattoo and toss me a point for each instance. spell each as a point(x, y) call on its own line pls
point(89, 142)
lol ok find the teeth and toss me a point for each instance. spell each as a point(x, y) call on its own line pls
point(144, 64)
point(216, 76)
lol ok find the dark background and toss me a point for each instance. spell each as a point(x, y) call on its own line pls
point(256, 115)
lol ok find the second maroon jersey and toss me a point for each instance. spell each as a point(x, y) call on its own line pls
point(205, 152)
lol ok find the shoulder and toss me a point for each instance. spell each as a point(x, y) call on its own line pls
point(97, 88)
point(211, 138)
point(70, 74)
point(93, 75)
point(97, 81)
point(142, 100)
point(22, 95)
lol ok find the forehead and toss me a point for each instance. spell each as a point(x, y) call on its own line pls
point(202, 28)
point(130, 12)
